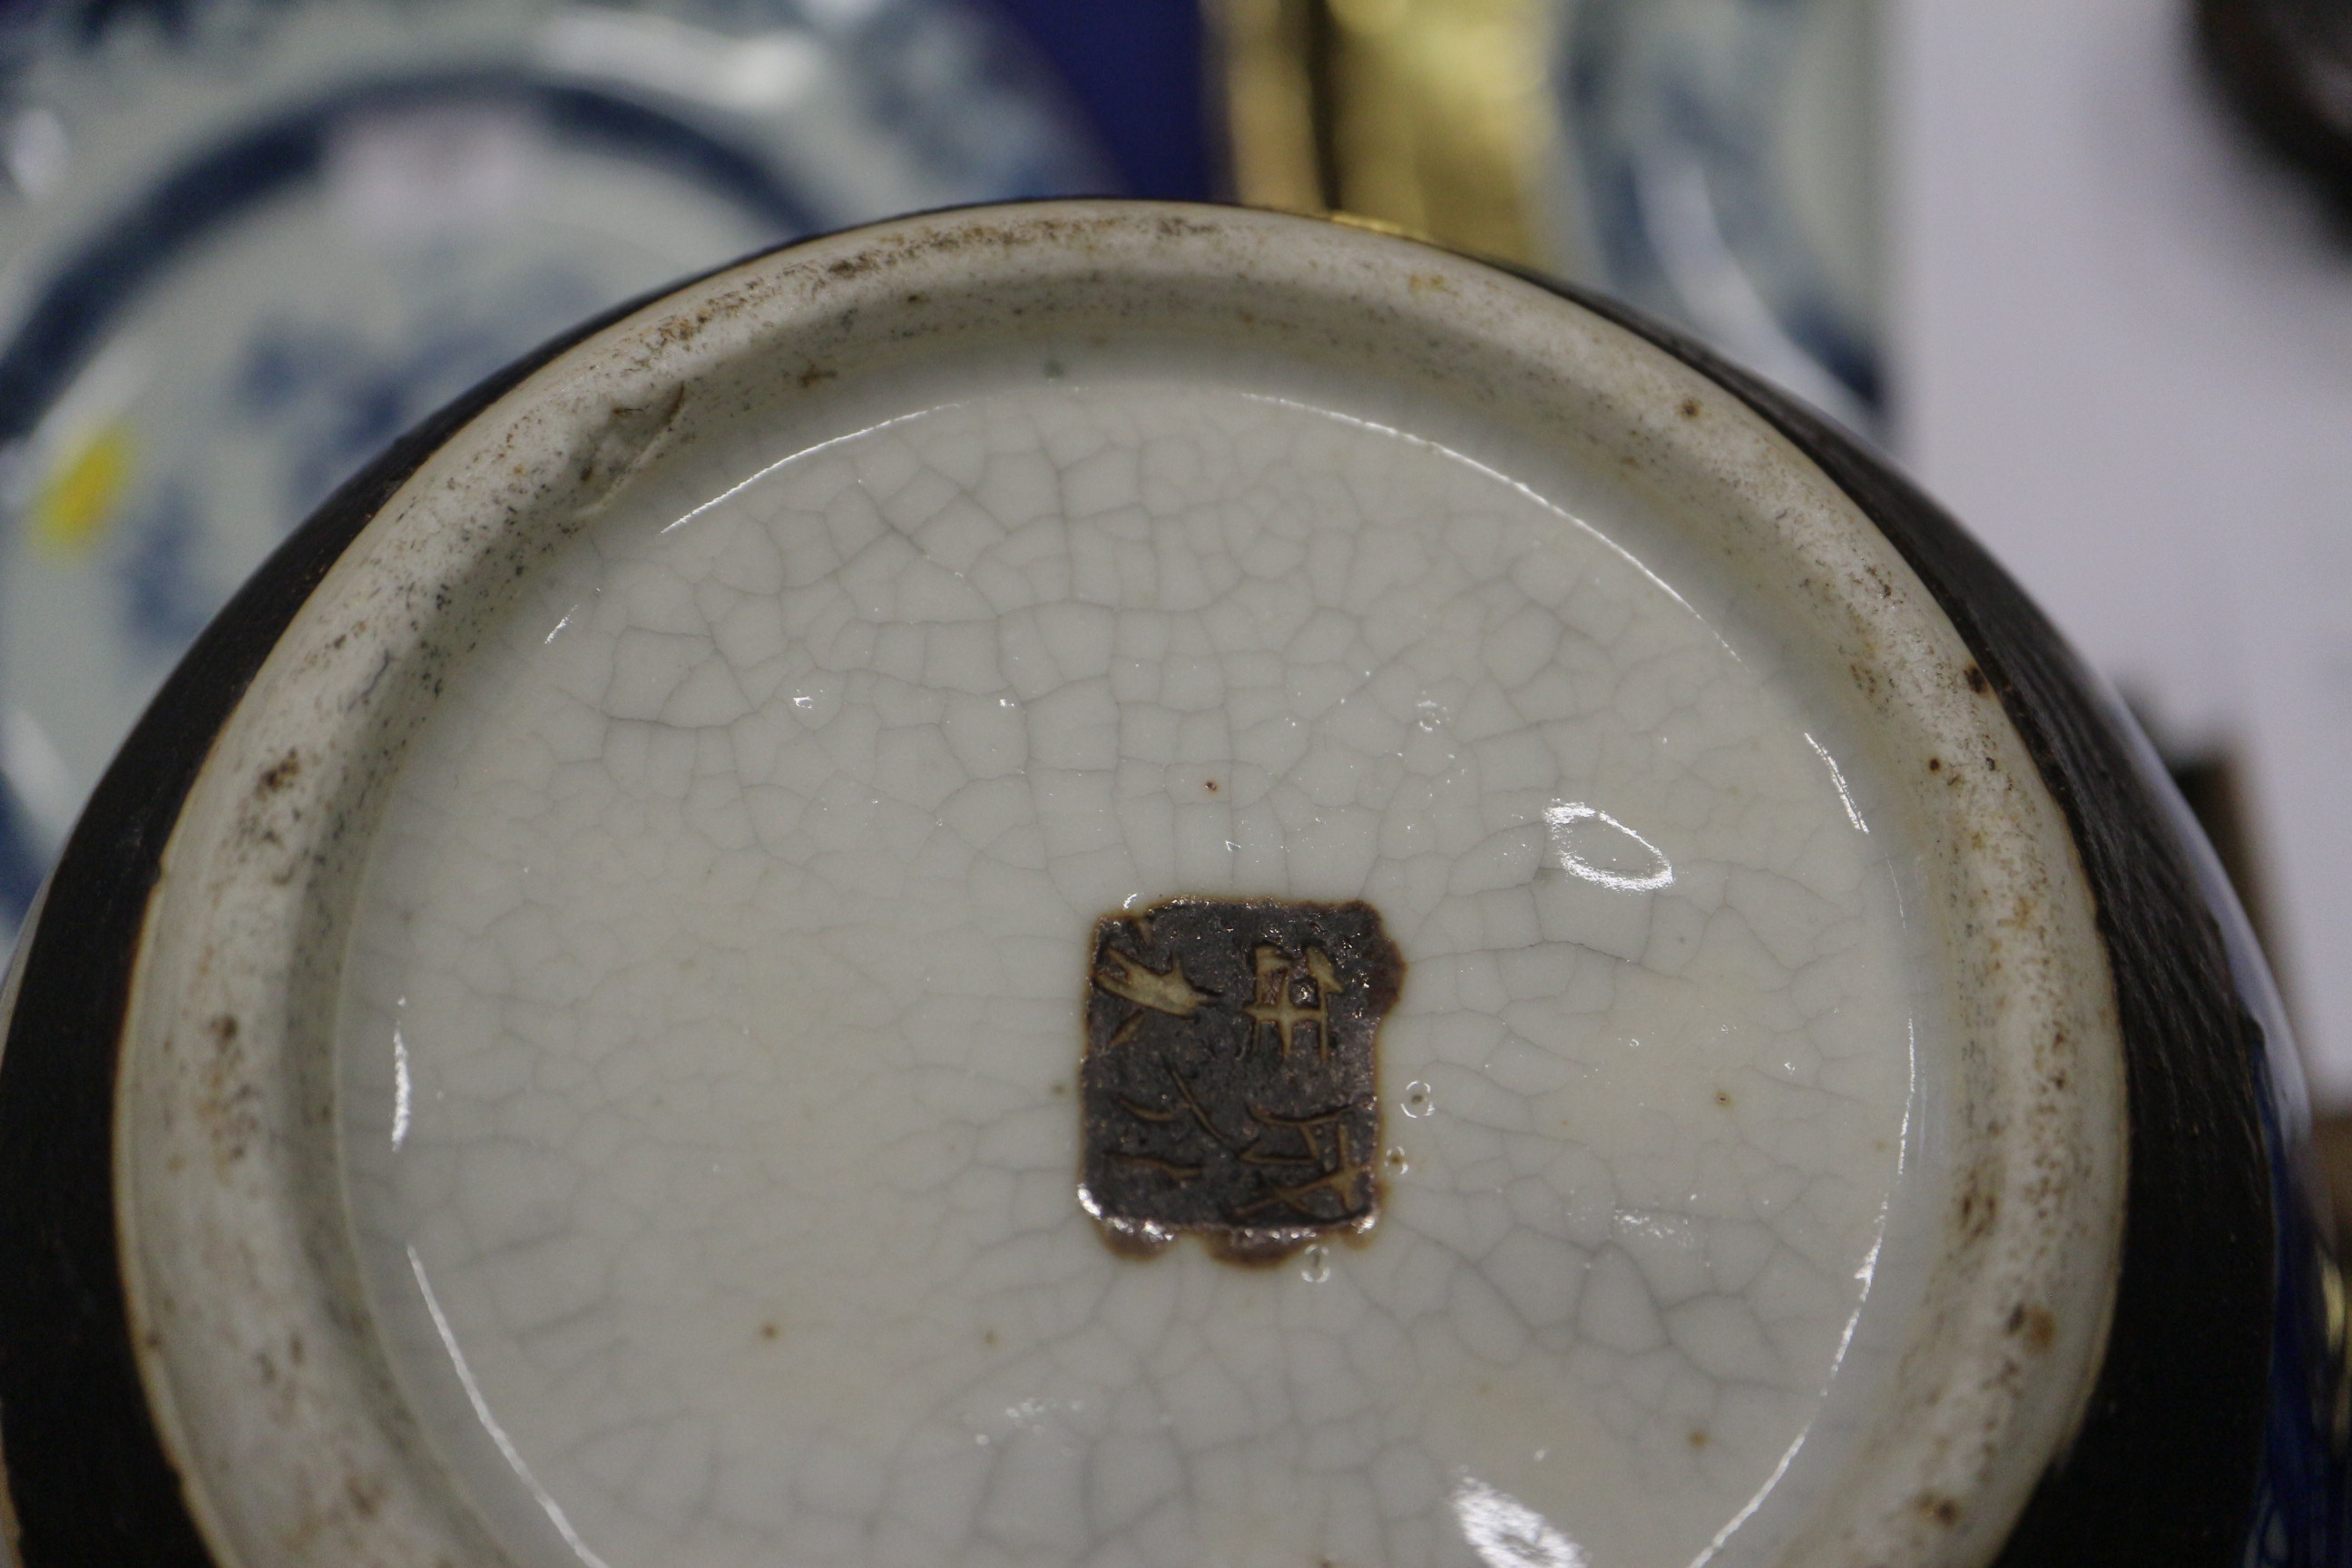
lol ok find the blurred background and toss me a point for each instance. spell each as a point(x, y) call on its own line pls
point(2085, 270)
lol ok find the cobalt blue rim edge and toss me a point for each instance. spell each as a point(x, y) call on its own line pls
point(2212, 1424)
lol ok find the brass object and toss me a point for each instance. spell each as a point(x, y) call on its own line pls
point(1429, 115)
point(1271, 52)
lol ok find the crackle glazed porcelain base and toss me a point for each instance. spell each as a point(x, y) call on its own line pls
point(1124, 884)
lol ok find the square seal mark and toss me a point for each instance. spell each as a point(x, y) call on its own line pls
point(1229, 1085)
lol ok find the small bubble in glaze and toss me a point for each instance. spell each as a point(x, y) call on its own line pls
point(1317, 1267)
point(1418, 1100)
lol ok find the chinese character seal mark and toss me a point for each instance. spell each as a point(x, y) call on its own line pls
point(1229, 1086)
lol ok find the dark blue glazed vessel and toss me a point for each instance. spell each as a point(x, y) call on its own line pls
point(2215, 1431)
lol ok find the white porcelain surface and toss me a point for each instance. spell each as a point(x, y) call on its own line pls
point(713, 763)
point(712, 1018)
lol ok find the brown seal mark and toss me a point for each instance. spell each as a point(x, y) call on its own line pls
point(1229, 1086)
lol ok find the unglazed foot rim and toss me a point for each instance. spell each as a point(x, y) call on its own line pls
point(238, 1254)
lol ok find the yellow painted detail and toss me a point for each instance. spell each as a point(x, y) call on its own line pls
point(83, 492)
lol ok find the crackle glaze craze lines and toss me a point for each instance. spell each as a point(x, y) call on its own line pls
point(734, 917)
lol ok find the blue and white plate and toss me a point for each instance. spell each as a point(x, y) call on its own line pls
point(1723, 173)
point(243, 244)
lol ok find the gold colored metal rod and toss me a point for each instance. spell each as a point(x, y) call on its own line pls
point(1429, 115)
point(1276, 132)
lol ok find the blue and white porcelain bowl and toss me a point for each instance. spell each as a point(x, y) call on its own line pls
point(1108, 883)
